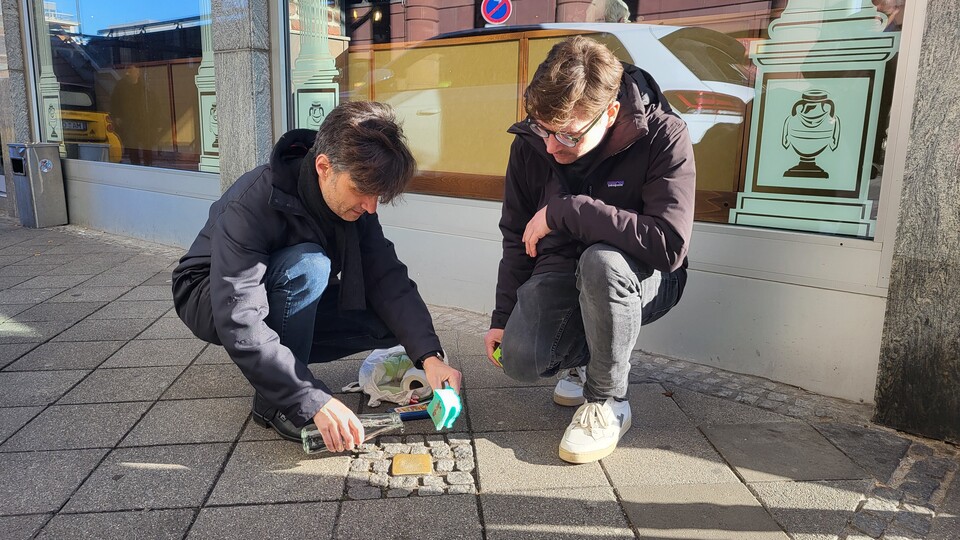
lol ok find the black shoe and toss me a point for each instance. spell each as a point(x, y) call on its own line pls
point(266, 415)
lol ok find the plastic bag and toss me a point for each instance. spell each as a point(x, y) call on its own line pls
point(382, 378)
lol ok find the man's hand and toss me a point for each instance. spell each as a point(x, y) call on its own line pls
point(536, 229)
point(439, 372)
point(493, 338)
point(339, 426)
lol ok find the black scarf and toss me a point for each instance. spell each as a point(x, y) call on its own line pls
point(346, 255)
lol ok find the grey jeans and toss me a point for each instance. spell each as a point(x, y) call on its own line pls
point(591, 318)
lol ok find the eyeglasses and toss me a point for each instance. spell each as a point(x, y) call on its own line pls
point(565, 139)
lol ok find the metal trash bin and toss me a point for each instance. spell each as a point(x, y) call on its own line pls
point(38, 180)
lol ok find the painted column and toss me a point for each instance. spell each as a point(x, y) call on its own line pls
point(206, 81)
point(815, 113)
point(51, 126)
point(313, 74)
point(423, 19)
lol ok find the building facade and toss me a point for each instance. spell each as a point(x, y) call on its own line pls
point(805, 114)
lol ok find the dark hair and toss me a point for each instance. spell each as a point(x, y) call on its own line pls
point(364, 139)
point(579, 78)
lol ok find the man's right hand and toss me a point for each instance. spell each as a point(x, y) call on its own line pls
point(493, 338)
point(339, 426)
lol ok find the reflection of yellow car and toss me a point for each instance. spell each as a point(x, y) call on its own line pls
point(81, 123)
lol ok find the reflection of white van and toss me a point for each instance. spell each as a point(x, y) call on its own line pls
point(458, 92)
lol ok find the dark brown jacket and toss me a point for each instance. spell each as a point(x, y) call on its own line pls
point(638, 195)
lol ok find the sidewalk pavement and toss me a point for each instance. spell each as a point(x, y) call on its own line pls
point(115, 422)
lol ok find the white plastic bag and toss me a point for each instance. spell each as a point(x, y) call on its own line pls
point(382, 378)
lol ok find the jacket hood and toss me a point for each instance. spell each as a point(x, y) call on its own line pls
point(287, 155)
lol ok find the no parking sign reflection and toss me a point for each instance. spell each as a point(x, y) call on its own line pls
point(496, 11)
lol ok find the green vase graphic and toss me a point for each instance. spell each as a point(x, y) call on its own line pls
point(810, 129)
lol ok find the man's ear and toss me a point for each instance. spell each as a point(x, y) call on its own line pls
point(323, 166)
point(612, 113)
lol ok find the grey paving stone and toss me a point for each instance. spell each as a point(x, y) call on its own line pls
point(451, 516)
point(125, 384)
point(59, 311)
point(146, 309)
point(517, 409)
point(66, 355)
point(13, 331)
point(869, 523)
point(104, 330)
point(10, 352)
point(148, 292)
point(946, 524)
point(313, 520)
point(877, 450)
point(154, 524)
point(550, 514)
point(67, 427)
point(156, 352)
point(190, 421)
point(14, 418)
point(89, 293)
point(338, 373)
point(28, 296)
point(208, 381)
point(771, 452)
point(478, 372)
point(708, 512)
point(115, 279)
point(707, 410)
point(214, 354)
point(36, 387)
point(53, 282)
point(152, 477)
point(7, 311)
point(162, 278)
point(12, 281)
point(167, 328)
point(35, 482)
point(279, 471)
point(528, 461)
point(21, 527)
point(812, 510)
point(27, 270)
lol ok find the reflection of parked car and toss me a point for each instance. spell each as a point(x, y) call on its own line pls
point(457, 92)
point(83, 123)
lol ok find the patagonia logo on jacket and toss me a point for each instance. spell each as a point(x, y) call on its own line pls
point(614, 183)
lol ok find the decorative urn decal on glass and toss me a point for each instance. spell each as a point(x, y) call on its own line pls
point(811, 128)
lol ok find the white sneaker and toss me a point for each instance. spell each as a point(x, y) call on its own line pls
point(595, 431)
point(569, 390)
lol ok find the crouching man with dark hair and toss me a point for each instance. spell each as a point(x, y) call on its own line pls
point(292, 268)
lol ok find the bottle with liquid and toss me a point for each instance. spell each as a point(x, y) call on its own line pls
point(373, 424)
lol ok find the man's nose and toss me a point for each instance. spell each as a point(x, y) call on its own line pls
point(553, 145)
point(369, 204)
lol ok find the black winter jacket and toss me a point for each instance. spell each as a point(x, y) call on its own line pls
point(258, 215)
point(638, 195)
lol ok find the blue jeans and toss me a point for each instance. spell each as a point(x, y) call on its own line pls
point(304, 313)
point(591, 318)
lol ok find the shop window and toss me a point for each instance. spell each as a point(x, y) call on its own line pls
point(128, 83)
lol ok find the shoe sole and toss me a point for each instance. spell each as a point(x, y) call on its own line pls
point(596, 455)
point(262, 422)
point(565, 401)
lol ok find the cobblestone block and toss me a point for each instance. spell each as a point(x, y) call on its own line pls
point(381, 466)
point(445, 465)
point(749, 399)
point(916, 522)
point(358, 478)
point(363, 492)
point(379, 480)
point(397, 493)
point(463, 452)
point(767, 404)
point(435, 440)
point(466, 465)
point(366, 448)
point(441, 452)
point(427, 491)
point(459, 440)
point(403, 482)
point(432, 481)
point(462, 489)
point(413, 439)
point(459, 478)
point(869, 523)
point(391, 439)
point(394, 449)
point(360, 465)
point(776, 396)
point(419, 450)
point(920, 490)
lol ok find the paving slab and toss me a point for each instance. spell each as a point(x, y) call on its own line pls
point(26, 388)
point(14, 331)
point(7, 311)
point(21, 527)
point(448, 517)
point(10, 352)
point(190, 421)
point(471, 343)
point(104, 329)
point(208, 381)
point(876, 449)
point(117, 279)
point(59, 311)
point(528, 460)
point(148, 292)
point(812, 510)
point(153, 524)
point(89, 293)
point(156, 352)
point(53, 282)
point(45, 258)
point(121, 384)
point(35, 482)
point(554, 514)
point(214, 354)
point(146, 309)
point(167, 328)
point(66, 427)
point(161, 278)
point(338, 373)
point(58, 355)
point(12, 281)
point(518, 409)
point(279, 471)
point(479, 372)
point(28, 270)
point(150, 477)
point(771, 452)
point(14, 418)
point(706, 410)
point(946, 524)
point(309, 520)
point(703, 512)
point(29, 296)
